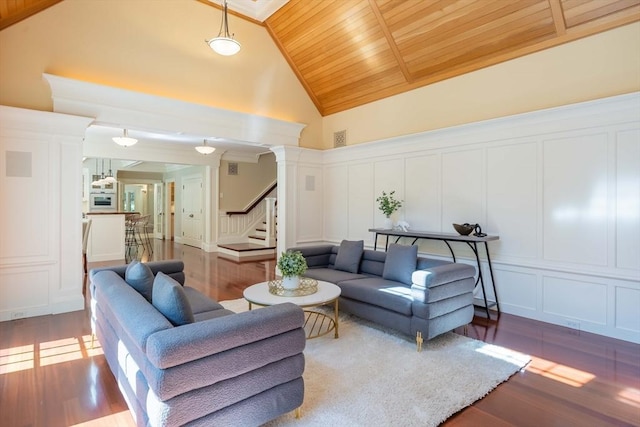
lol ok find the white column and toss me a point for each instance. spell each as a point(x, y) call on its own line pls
point(211, 203)
point(270, 220)
point(287, 160)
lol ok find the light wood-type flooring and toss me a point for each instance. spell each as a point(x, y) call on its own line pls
point(49, 375)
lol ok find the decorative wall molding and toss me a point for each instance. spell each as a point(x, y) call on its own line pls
point(41, 244)
point(560, 186)
point(134, 109)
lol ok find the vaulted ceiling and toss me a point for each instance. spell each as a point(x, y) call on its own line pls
point(348, 53)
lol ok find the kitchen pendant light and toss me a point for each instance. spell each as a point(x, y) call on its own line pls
point(204, 148)
point(125, 140)
point(97, 181)
point(224, 44)
point(110, 179)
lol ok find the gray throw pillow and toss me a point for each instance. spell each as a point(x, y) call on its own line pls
point(400, 263)
point(170, 299)
point(140, 278)
point(349, 255)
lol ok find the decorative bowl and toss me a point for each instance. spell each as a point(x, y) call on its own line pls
point(464, 229)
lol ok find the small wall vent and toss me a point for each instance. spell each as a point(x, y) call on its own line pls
point(232, 169)
point(340, 139)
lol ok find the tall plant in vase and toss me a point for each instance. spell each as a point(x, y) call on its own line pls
point(388, 204)
point(292, 265)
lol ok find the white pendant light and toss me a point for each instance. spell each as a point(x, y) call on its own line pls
point(205, 149)
point(125, 140)
point(224, 44)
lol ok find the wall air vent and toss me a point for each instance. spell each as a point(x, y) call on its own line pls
point(232, 169)
point(340, 139)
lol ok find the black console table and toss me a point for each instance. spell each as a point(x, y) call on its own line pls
point(471, 240)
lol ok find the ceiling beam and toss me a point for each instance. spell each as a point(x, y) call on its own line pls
point(391, 41)
point(558, 17)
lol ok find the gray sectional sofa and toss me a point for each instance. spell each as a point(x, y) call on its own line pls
point(180, 358)
point(417, 296)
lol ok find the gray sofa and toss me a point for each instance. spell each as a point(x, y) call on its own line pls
point(417, 296)
point(180, 358)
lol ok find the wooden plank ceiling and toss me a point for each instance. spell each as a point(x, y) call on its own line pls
point(348, 53)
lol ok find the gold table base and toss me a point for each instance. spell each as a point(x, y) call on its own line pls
point(307, 286)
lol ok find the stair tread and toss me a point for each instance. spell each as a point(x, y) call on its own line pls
point(258, 237)
point(243, 247)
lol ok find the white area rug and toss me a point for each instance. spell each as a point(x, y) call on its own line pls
point(374, 377)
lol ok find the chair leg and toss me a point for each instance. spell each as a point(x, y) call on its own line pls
point(84, 263)
point(298, 412)
point(419, 340)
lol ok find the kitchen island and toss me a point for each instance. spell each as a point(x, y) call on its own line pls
point(106, 237)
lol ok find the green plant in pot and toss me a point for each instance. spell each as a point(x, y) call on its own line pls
point(388, 204)
point(292, 265)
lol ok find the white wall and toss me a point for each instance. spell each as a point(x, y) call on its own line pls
point(561, 187)
point(40, 213)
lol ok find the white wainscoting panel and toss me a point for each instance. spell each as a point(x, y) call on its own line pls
point(310, 204)
point(422, 208)
point(360, 201)
point(517, 290)
point(30, 242)
point(388, 176)
point(628, 200)
point(512, 192)
point(462, 188)
point(576, 299)
point(627, 309)
point(561, 187)
point(24, 290)
point(575, 199)
point(336, 203)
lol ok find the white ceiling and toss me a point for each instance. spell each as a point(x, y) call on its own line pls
point(102, 133)
point(259, 10)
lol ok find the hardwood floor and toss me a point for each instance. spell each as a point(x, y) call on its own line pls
point(49, 375)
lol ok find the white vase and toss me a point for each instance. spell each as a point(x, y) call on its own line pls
point(387, 224)
point(291, 282)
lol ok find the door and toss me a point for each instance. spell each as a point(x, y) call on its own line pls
point(192, 211)
point(158, 211)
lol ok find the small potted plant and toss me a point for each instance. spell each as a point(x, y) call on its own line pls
point(388, 205)
point(292, 265)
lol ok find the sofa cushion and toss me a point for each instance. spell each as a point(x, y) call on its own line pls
point(331, 275)
point(169, 298)
point(199, 302)
point(400, 263)
point(349, 255)
point(140, 277)
point(388, 294)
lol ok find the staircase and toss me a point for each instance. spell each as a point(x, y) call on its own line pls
point(259, 245)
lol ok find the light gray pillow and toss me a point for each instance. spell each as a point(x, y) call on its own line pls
point(349, 255)
point(170, 299)
point(140, 278)
point(400, 263)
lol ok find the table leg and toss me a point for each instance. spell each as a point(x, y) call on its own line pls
point(493, 281)
point(450, 250)
point(474, 248)
point(335, 317)
point(375, 243)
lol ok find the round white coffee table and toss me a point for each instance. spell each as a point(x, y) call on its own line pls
point(316, 323)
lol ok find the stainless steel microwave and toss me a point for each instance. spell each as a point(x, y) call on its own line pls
point(103, 202)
